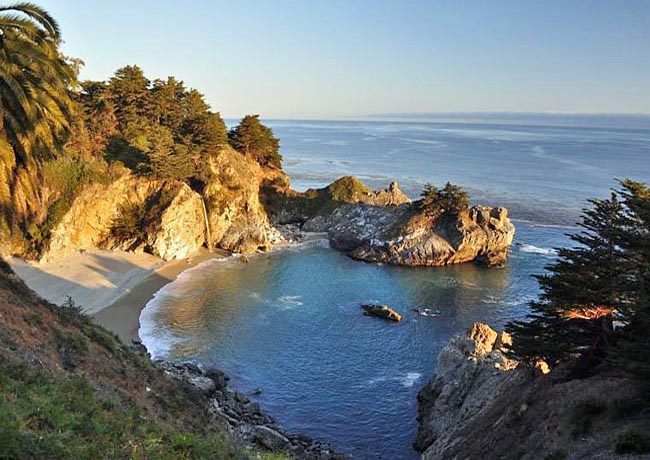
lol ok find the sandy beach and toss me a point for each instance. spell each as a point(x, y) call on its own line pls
point(111, 286)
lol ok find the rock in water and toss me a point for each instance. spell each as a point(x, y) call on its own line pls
point(381, 311)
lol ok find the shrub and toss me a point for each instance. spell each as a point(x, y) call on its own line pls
point(584, 414)
point(130, 223)
point(72, 346)
point(632, 442)
point(70, 313)
point(450, 199)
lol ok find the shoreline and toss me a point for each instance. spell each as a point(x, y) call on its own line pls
point(112, 287)
point(122, 316)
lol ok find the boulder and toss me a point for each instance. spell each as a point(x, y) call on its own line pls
point(268, 438)
point(381, 311)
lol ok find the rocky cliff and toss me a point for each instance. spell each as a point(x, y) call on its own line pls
point(168, 218)
point(481, 404)
point(401, 235)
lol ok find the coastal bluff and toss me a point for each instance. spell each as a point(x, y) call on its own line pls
point(168, 218)
point(384, 226)
point(481, 404)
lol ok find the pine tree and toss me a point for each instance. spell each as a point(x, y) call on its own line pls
point(634, 341)
point(452, 199)
point(253, 139)
point(580, 296)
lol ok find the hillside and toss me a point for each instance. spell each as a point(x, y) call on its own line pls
point(70, 389)
point(482, 404)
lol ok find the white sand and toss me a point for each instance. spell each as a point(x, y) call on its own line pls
point(94, 279)
point(112, 286)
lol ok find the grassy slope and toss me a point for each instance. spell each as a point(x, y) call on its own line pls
point(70, 389)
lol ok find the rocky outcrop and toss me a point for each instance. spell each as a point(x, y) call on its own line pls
point(244, 419)
point(238, 220)
point(169, 217)
point(381, 311)
point(401, 235)
point(288, 206)
point(470, 374)
point(171, 226)
point(480, 404)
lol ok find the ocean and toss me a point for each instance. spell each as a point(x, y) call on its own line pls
point(289, 322)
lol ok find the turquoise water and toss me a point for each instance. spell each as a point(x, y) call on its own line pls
point(289, 322)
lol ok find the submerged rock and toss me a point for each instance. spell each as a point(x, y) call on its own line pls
point(381, 311)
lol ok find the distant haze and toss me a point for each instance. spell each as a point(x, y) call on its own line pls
point(335, 58)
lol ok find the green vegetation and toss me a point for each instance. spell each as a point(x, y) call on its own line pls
point(253, 139)
point(450, 199)
point(35, 100)
point(157, 128)
point(603, 280)
point(66, 417)
point(69, 389)
point(59, 134)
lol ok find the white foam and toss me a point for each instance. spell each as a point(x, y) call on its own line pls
point(156, 337)
point(288, 302)
point(410, 379)
point(537, 250)
point(407, 380)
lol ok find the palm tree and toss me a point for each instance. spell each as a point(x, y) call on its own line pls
point(35, 80)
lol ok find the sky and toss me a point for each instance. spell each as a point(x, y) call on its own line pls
point(355, 58)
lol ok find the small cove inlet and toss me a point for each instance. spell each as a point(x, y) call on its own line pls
point(289, 323)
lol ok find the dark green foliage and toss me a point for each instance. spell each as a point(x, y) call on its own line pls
point(65, 417)
point(130, 223)
point(71, 314)
point(160, 129)
point(72, 347)
point(632, 442)
point(584, 415)
point(251, 138)
point(634, 341)
point(451, 199)
point(604, 278)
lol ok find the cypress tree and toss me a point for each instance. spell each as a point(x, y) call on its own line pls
point(581, 295)
point(253, 139)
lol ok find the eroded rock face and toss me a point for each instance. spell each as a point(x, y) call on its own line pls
point(480, 404)
point(238, 221)
point(400, 235)
point(179, 229)
point(175, 215)
point(471, 373)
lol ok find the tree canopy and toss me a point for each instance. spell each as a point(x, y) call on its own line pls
point(451, 199)
point(602, 281)
point(36, 107)
point(253, 139)
point(159, 128)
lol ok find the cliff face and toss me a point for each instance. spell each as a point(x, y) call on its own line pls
point(168, 218)
point(401, 235)
point(483, 405)
point(238, 221)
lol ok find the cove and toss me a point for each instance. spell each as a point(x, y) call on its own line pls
point(289, 323)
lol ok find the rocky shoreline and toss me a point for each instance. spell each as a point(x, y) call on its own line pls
point(482, 404)
point(243, 417)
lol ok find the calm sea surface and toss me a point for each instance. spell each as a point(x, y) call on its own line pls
point(289, 322)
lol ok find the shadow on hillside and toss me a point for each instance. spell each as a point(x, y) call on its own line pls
point(98, 280)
